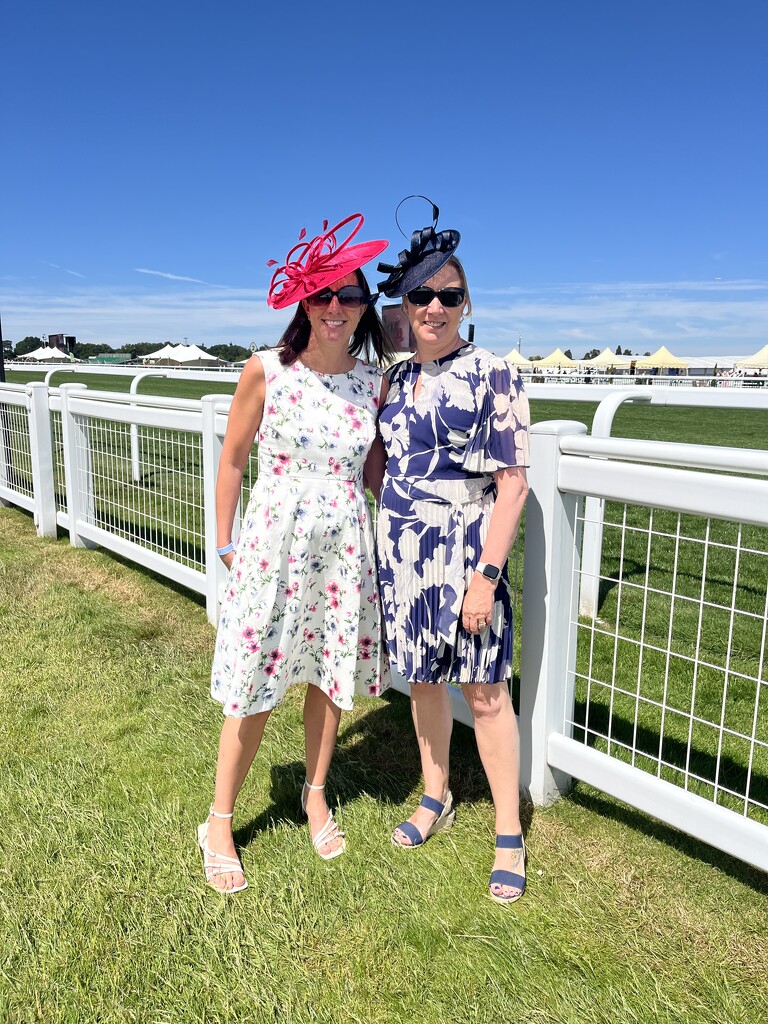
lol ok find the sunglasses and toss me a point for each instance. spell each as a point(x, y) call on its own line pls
point(449, 297)
point(350, 295)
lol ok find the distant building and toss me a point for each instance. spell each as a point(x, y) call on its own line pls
point(66, 342)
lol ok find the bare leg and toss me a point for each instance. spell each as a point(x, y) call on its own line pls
point(321, 726)
point(433, 721)
point(240, 740)
point(498, 745)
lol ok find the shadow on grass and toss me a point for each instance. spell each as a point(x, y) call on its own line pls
point(377, 756)
point(710, 768)
point(150, 536)
point(589, 799)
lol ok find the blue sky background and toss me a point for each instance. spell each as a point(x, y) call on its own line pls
point(604, 161)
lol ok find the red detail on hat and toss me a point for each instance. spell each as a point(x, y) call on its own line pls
point(311, 266)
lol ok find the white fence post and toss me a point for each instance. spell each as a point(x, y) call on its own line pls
point(134, 430)
point(215, 570)
point(6, 465)
point(41, 452)
point(549, 606)
point(592, 548)
point(77, 467)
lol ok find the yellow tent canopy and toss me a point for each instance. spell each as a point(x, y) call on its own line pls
point(606, 358)
point(663, 359)
point(556, 358)
point(758, 361)
point(517, 359)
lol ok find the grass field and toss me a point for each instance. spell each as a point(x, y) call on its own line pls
point(107, 752)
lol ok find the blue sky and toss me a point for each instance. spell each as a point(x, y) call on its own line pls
point(605, 162)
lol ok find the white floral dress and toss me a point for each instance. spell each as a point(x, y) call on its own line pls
point(301, 602)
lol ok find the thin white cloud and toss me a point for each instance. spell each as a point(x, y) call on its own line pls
point(691, 318)
point(628, 287)
point(74, 273)
point(176, 277)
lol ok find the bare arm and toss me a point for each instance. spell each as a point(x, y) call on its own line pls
point(243, 424)
point(512, 490)
point(373, 471)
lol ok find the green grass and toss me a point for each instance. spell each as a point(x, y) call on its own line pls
point(738, 428)
point(107, 753)
point(168, 386)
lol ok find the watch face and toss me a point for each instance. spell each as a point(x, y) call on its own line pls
point(491, 572)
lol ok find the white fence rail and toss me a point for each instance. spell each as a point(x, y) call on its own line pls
point(660, 699)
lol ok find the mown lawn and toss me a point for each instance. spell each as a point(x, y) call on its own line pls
point(107, 753)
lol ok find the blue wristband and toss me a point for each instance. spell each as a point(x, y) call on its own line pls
point(225, 550)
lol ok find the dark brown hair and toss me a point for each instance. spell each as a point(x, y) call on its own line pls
point(370, 335)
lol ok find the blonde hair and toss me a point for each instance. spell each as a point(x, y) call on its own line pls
point(454, 261)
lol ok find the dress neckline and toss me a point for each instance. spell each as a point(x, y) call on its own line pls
point(319, 373)
point(446, 358)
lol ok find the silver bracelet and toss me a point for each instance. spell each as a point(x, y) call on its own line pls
point(225, 550)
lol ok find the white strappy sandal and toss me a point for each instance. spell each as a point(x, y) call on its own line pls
point(216, 864)
point(328, 832)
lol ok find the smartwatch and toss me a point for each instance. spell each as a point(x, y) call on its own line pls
point(491, 572)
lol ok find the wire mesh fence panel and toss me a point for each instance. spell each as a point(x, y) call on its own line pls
point(15, 454)
point(250, 476)
point(147, 489)
point(671, 675)
point(59, 475)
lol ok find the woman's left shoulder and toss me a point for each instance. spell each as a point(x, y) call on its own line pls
point(489, 362)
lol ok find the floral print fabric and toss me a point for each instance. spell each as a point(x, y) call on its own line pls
point(301, 602)
point(469, 420)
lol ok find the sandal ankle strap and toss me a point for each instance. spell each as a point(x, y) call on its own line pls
point(215, 814)
point(310, 786)
point(510, 842)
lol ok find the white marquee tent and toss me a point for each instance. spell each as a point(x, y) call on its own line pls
point(46, 355)
point(180, 355)
point(163, 356)
point(191, 355)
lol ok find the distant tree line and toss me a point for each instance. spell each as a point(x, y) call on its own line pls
point(85, 350)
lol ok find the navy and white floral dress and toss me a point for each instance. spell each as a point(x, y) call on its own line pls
point(301, 603)
point(469, 420)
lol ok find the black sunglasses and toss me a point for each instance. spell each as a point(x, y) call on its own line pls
point(449, 297)
point(350, 295)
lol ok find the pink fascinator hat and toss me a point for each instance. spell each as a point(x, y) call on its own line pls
point(311, 266)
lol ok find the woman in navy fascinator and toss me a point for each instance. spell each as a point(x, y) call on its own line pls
point(455, 428)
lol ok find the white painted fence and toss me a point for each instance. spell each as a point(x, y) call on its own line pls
point(637, 731)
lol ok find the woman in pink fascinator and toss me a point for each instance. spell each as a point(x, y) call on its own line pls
point(301, 603)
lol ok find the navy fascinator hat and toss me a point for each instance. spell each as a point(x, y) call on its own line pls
point(430, 250)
